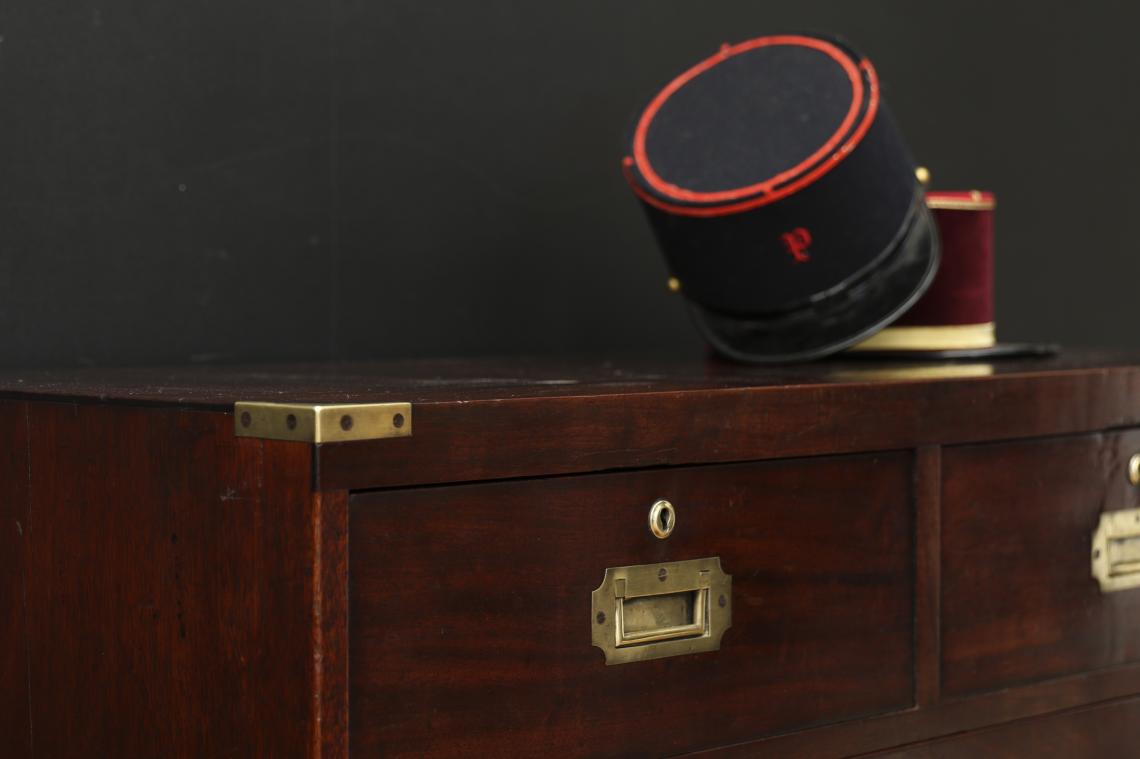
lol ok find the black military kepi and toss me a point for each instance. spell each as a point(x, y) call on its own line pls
point(784, 198)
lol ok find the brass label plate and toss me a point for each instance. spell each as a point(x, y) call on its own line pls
point(1116, 550)
point(322, 424)
point(651, 611)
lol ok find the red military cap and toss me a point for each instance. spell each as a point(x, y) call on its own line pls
point(955, 317)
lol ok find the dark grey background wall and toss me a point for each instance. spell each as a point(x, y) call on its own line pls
point(230, 180)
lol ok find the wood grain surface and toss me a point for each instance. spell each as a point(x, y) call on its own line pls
point(506, 418)
point(909, 552)
point(470, 609)
point(948, 718)
point(16, 725)
point(1019, 602)
point(528, 436)
point(1109, 730)
point(169, 586)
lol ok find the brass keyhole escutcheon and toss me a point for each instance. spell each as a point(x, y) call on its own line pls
point(662, 519)
point(1134, 469)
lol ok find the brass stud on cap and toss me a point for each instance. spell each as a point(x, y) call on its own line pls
point(673, 285)
point(1134, 469)
point(922, 174)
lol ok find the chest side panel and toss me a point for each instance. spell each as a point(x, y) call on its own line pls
point(15, 717)
point(169, 602)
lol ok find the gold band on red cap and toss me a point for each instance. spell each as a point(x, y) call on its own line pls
point(948, 337)
point(974, 200)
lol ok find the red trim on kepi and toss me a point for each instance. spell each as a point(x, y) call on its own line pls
point(783, 198)
point(765, 186)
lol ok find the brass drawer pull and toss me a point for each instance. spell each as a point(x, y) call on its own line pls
point(652, 611)
point(1116, 550)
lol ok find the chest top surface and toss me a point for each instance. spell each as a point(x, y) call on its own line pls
point(504, 418)
point(218, 387)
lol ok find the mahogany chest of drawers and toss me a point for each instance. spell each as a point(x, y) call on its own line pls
point(545, 558)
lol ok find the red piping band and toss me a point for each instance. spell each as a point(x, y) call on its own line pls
point(679, 193)
point(769, 195)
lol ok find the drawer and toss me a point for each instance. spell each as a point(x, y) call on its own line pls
point(1019, 602)
point(1110, 730)
point(471, 622)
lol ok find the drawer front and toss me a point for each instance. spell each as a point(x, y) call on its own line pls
point(1109, 730)
point(1019, 602)
point(470, 609)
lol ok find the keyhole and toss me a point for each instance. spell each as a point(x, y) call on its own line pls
point(662, 519)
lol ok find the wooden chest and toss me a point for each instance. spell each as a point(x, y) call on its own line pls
point(542, 558)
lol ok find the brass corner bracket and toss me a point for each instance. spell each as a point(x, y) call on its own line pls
point(318, 424)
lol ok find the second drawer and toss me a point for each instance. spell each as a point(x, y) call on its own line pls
point(1019, 602)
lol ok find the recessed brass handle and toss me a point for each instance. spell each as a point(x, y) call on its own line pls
point(662, 519)
point(1134, 469)
point(1116, 550)
point(651, 611)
